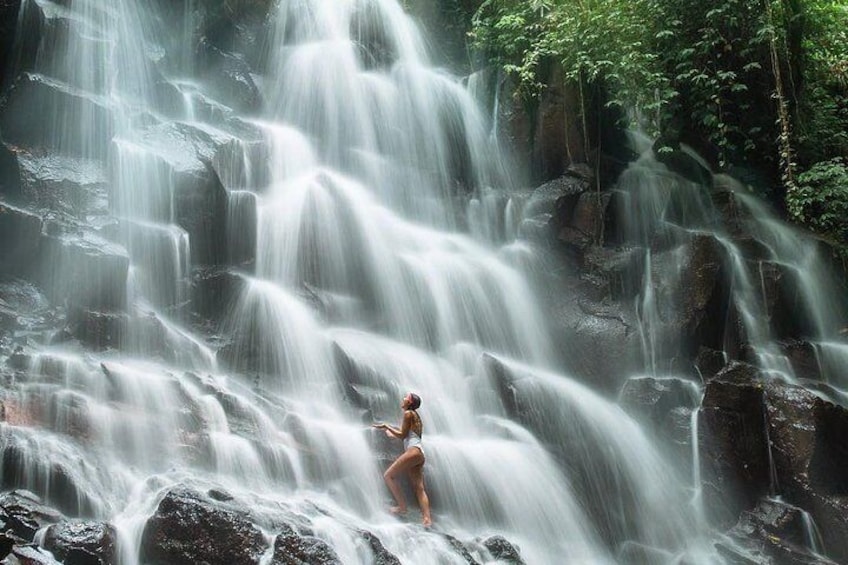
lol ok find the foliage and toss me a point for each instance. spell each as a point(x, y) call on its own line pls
point(821, 200)
point(758, 83)
point(823, 105)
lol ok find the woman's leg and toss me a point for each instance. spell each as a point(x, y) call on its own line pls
point(410, 458)
point(416, 477)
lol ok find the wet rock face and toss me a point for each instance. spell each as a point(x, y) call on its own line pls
point(23, 513)
point(27, 117)
point(503, 550)
point(99, 330)
point(734, 456)
point(229, 77)
point(599, 339)
point(772, 532)
point(29, 555)
point(189, 528)
point(650, 399)
point(215, 290)
point(86, 270)
point(82, 543)
point(810, 457)
point(759, 436)
point(665, 406)
point(71, 185)
point(193, 193)
point(380, 555)
point(8, 20)
point(293, 549)
point(20, 231)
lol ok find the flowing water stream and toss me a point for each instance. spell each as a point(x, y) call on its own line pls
point(347, 190)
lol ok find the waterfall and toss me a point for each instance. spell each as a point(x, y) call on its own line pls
point(355, 274)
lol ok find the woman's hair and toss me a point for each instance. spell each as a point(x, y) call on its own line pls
point(415, 401)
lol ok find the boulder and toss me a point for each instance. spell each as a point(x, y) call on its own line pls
point(85, 270)
point(460, 549)
point(651, 400)
point(379, 554)
point(99, 330)
point(26, 465)
point(291, 548)
point(29, 555)
point(561, 193)
point(24, 514)
point(709, 362)
point(503, 551)
point(809, 453)
point(732, 438)
point(759, 435)
point(71, 185)
point(20, 232)
point(82, 543)
point(774, 532)
point(39, 112)
point(188, 527)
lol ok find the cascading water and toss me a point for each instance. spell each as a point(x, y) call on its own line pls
point(344, 190)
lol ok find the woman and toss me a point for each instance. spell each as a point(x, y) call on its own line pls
point(412, 459)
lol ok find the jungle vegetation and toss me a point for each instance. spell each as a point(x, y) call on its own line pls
point(754, 85)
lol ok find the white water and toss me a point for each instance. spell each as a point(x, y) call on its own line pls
point(354, 177)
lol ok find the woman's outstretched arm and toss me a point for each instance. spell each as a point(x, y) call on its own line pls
point(399, 433)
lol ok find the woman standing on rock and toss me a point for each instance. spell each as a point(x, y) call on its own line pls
point(411, 460)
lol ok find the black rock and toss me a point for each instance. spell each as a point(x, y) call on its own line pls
point(229, 76)
point(71, 185)
point(460, 548)
point(30, 555)
point(82, 543)
point(26, 466)
point(557, 196)
point(8, 23)
point(41, 112)
point(732, 438)
point(99, 330)
point(810, 455)
point(775, 532)
point(183, 154)
point(85, 270)
point(24, 514)
point(20, 232)
point(215, 292)
point(291, 548)
point(380, 555)
point(189, 528)
point(709, 362)
point(651, 400)
point(599, 339)
point(503, 550)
